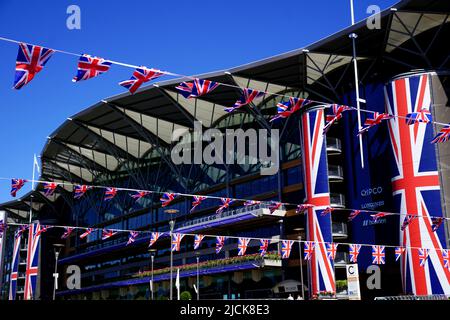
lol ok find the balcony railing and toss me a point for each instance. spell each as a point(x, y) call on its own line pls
point(334, 146)
point(335, 172)
point(339, 229)
point(337, 200)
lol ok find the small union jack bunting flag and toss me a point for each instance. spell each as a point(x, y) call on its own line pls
point(275, 206)
point(443, 135)
point(287, 108)
point(153, 238)
point(423, 116)
point(106, 234)
point(377, 119)
point(21, 230)
point(436, 223)
point(380, 215)
point(331, 250)
point(79, 191)
point(263, 246)
point(354, 252)
point(251, 203)
point(247, 97)
point(220, 242)
point(196, 88)
point(198, 240)
point(132, 237)
point(309, 249)
point(242, 246)
point(353, 215)
point(406, 222)
point(140, 76)
point(86, 233)
point(225, 204)
point(50, 188)
point(301, 208)
point(398, 252)
point(110, 194)
point(326, 211)
point(423, 256)
point(337, 111)
point(30, 61)
point(67, 232)
point(286, 248)
point(90, 67)
point(378, 255)
point(196, 202)
point(140, 194)
point(176, 241)
point(42, 229)
point(16, 185)
point(446, 258)
point(167, 198)
point(3, 227)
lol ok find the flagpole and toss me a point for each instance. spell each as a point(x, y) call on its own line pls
point(32, 188)
point(353, 36)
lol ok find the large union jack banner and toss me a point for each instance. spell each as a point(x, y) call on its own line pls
point(32, 270)
point(15, 267)
point(315, 177)
point(415, 186)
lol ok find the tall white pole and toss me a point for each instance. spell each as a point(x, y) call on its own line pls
point(32, 187)
point(353, 36)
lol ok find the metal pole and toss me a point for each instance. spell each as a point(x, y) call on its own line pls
point(57, 249)
point(198, 279)
point(171, 223)
point(301, 265)
point(353, 36)
point(153, 257)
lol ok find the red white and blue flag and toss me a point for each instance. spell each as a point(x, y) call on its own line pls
point(247, 97)
point(353, 215)
point(275, 206)
point(415, 186)
point(220, 242)
point(399, 252)
point(153, 238)
point(21, 230)
point(287, 108)
point(436, 222)
point(196, 88)
point(423, 256)
point(286, 248)
point(86, 233)
point(407, 221)
point(67, 232)
point(140, 194)
point(49, 188)
point(196, 202)
point(31, 60)
point(331, 250)
point(167, 198)
point(132, 237)
point(378, 255)
point(380, 215)
point(326, 211)
point(242, 246)
point(446, 257)
point(336, 115)
point(225, 204)
point(16, 185)
point(251, 203)
point(14, 275)
point(301, 208)
point(90, 67)
point(106, 234)
point(263, 247)
point(110, 194)
point(176, 241)
point(353, 250)
point(43, 229)
point(309, 249)
point(32, 269)
point(377, 119)
point(422, 116)
point(315, 177)
point(198, 240)
point(80, 190)
point(443, 135)
point(140, 76)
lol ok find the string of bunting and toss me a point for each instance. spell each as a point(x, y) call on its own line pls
point(31, 59)
point(378, 251)
point(168, 197)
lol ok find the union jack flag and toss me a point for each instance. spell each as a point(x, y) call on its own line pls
point(446, 258)
point(422, 116)
point(380, 215)
point(3, 227)
point(309, 249)
point(337, 111)
point(32, 269)
point(408, 219)
point(378, 255)
point(353, 215)
point(86, 233)
point(286, 248)
point(16, 185)
point(198, 240)
point(140, 76)
point(197, 201)
point(220, 242)
point(166, 199)
point(153, 238)
point(315, 177)
point(80, 191)
point(247, 97)
point(263, 246)
point(275, 206)
point(287, 108)
point(176, 241)
point(31, 60)
point(242, 245)
point(106, 234)
point(398, 252)
point(196, 88)
point(327, 210)
point(132, 237)
point(68, 231)
point(443, 135)
point(354, 252)
point(43, 229)
point(90, 67)
point(50, 188)
point(21, 230)
point(301, 208)
point(423, 256)
point(15, 267)
point(251, 203)
point(436, 223)
point(225, 204)
point(110, 193)
point(377, 119)
point(331, 250)
point(140, 194)
point(415, 185)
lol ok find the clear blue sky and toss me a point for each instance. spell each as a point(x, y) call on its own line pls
point(185, 37)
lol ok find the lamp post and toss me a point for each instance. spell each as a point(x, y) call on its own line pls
point(57, 249)
point(171, 226)
point(198, 275)
point(152, 258)
point(301, 258)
